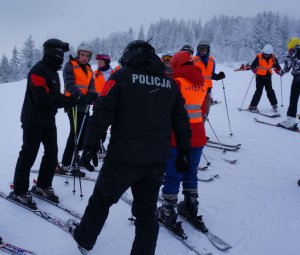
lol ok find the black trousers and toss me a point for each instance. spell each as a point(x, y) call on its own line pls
point(261, 83)
point(33, 136)
point(295, 92)
point(70, 146)
point(114, 179)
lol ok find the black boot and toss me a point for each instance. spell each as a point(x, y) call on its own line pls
point(189, 209)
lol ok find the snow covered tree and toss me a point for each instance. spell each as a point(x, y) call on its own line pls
point(141, 35)
point(4, 70)
point(15, 65)
point(29, 56)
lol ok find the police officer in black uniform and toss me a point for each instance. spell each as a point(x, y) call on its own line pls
point(42, 99)
point(142, 106)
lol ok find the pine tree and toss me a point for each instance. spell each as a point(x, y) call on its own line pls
point(15, 64)
point(29, 56)
point(141, 35)
point(4, 70)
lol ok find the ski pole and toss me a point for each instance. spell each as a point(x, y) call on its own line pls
point(226, 107)
point(79, 135)
point(247, 91)
point(220, 144)
point(207, 162)
point(281, 90)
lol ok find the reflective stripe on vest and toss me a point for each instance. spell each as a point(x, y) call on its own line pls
point(194, 96)
point(263, 65)
point(99, 80)
point(81, 80)
point(206, 71)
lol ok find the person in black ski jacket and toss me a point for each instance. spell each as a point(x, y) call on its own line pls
point(42, 99)
point(292, 62)
point(142, 105)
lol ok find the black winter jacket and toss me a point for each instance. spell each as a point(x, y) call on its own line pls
point(142, 106)
point(42, 96)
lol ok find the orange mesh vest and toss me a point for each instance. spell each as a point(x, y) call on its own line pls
point(81, 80)
point(99, 80)
point(206, 71)
point(194, 96)
point(263, 65)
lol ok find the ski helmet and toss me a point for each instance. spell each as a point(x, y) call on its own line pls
point(181, 58)
point(188, 48)
point(134, 48)
point(268, 49)
point(106, 58)
point(293, 42)
point(84, 47)
point(166, 57)
point(55, 48)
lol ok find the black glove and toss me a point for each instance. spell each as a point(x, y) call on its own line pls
point(71, 101)
point(87, 157)
point(88, 99)
point(220, 76)
point(182, 162)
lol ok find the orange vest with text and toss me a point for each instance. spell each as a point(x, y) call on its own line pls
point(206, 70)
point(194, 96)
point(263, 65)
point(81, 79)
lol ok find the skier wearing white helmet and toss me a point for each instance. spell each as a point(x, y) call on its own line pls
point(78, 79)
point(262, 66)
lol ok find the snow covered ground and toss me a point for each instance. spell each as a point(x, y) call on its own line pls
point(254, 205)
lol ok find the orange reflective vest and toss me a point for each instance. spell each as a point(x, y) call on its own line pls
point(206, 70)
point(194, 96)
point(81, 79)
point(264, 66)
point(99, 80)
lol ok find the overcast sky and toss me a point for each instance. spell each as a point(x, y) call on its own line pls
point(76, 20)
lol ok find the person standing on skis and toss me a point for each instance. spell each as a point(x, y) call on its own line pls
point(42, 99)
point(262, 66)
point(292, 61)
point(207, 65)
point(191, 84)
point(142, 105)
point(78, 79)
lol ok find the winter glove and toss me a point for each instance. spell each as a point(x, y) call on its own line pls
point(71, 101)
point(279, 72)
point(182, 161)
point(254, 70)
point(87, 157)
point(91, 97)
point(220, 76)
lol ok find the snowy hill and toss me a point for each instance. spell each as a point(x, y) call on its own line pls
point(253, 205)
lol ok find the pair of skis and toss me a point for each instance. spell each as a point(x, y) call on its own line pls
point(223, 146)
point(12, 249)
point(277, 125)
point(275, 115)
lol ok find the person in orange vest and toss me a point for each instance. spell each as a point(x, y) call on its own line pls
point(166, 59)
point(207, 65)
point(262, 66)
point(193, 89)
point(78, 79)
point(103, 72)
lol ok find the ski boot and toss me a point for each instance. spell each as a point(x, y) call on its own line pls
point(23, 199)
point(71, 225)
point(189, 209)
point(290, 123)
point(275, 108)
point(61, 170)
point(167, 215)
point(47, 193)
point(252, 108)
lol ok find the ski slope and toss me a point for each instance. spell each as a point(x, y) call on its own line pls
point(253, 205)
